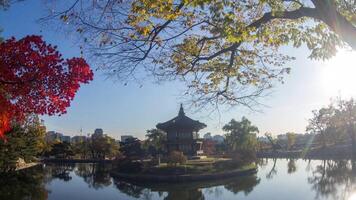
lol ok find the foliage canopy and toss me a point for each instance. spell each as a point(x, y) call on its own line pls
point(227, 52)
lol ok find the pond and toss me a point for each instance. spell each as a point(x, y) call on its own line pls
point(276, 179)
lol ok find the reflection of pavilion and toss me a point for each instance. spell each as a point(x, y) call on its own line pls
point(191, 190)
point(182, 134)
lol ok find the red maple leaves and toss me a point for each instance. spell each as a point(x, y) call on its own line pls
point(34, 78)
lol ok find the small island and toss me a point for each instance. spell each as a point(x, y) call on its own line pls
point(181, 158)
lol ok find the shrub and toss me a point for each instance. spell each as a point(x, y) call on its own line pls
point(176, 157)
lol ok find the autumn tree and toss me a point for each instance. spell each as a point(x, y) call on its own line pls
point(241, 139)
point(63, 150)
point(274, 142)
point(23, 141)
point(82, 148)
point(345, 116)
point(176, 157)
point(34, 78)
point(103, 146)
point(156, 141)
point(322, 121)
point(132, 148)
point(227, 52)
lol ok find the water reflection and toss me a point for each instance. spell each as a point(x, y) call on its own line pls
point(310, 179)
point(273, 170)
point(189, 191)
point(291, 166)
point(333, 179)
point(96, 176)
point(58, 171)
point(23, 185)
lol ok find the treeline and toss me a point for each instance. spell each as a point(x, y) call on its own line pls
point(335, 124)
point(94, 147)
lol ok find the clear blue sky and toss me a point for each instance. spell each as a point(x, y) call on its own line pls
point(130, 109)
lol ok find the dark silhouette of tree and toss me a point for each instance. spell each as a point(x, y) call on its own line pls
point(155, 142)
point(132, 148)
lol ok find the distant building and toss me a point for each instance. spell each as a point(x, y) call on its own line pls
point(78, 138)
point(52, 136)
point(65, 138)
point(125, 137)
point(182, 134)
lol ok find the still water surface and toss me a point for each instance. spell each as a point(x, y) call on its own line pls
point(277, 179)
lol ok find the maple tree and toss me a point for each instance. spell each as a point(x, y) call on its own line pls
point(34, 78)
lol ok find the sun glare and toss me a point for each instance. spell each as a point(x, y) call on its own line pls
point(339, 75)
point(352, 197)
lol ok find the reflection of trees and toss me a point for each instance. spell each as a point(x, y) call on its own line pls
point(216, 191)
point(129, 189)
point(95, 175)
point(309, 166)
point(262, 162)
point(333, 179)
point(60, 171)
point(291, 166)
point(24, 184)
point(273, 170)
point(191, 190)
point(243, 184)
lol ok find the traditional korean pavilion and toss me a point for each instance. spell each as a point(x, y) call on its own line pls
point(182, 134)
